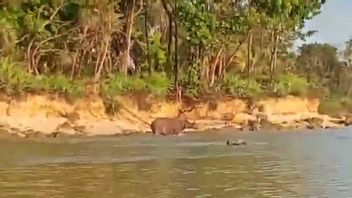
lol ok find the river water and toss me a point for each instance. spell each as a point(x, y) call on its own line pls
point(295, 164)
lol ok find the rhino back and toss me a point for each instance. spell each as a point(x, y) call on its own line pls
point(160, 125)
point(166, 126)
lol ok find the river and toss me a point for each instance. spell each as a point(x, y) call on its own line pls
point(294, 164)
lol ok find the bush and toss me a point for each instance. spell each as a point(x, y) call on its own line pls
point(115, 84)
point(289, 84)
point(238, 86)
point(13, 77)
point(157, 83)
point(189, 78)
point(58, 83)
point(331, 107)
point(336, 105)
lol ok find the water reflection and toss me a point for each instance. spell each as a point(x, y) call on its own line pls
point(271, 165)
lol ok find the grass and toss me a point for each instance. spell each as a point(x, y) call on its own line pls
point(15, 79)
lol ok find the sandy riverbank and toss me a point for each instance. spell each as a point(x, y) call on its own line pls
point(43, 115)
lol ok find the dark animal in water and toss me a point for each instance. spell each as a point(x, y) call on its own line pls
point(236, 143)
point(170, 126)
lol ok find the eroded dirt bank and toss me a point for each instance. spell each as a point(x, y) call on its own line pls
point(43, 115)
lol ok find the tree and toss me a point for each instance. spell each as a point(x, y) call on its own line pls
point(347, 53)
point(321, 61)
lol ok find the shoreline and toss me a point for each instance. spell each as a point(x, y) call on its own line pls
point(50, 116)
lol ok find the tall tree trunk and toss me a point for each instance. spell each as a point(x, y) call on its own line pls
point(146, 19)
point(213, 68)
point(176, 46)
point(249, 50)
point(170, 35)
point(200, 59)
point(261, 39)
point(273, 56)
point(129, 27)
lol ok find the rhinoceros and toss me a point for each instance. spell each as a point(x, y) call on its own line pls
point(170, 126)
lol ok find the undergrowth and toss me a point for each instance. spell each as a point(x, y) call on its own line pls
point(290, 84)
point(14, 79)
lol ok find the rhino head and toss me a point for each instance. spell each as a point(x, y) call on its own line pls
point(186, 124)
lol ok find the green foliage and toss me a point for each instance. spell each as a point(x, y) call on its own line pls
point(157, 83)
point(190, 78)
point(8, 36)
point(119, 83)
point(157, 49)
point(331, 107)
point(289, 84)
point(238, 86)
point(336, 105)
point(198, 22)
point(59, 84)
point(13, 77)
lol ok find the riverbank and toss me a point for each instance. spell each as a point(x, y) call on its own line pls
point(45, 115)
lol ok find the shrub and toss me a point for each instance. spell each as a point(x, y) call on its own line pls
point(158, 83)
point(115, 84)
point(330, 107)
point(189, 78)
point(13, 77)
point(238, 86)
point(58, 83)
point(336, 105)
point(289, 84)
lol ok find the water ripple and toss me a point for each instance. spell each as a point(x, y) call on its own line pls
point(277, 165)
